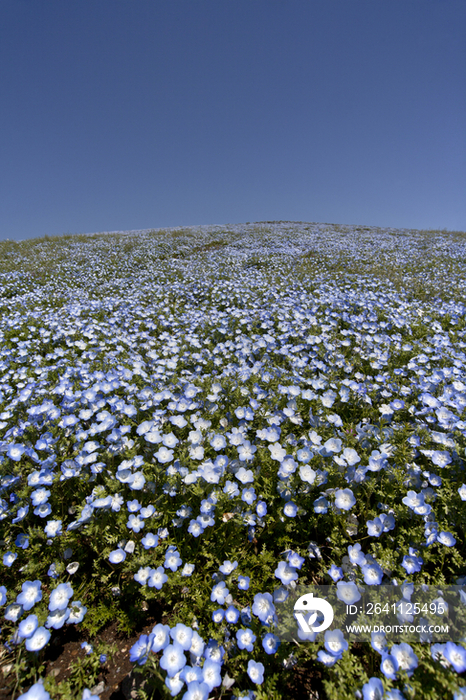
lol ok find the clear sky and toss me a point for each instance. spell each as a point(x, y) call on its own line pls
point(136, 114)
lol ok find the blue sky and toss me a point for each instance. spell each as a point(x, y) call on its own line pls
point(133, 114)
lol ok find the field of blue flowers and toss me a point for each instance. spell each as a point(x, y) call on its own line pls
point(204, 419)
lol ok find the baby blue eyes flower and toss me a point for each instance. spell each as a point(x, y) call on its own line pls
point(245, 639)
point(22, 541)
point(227, 567)
point(36, 692)
point(248, 496)
point(335, 573)
point(456, 656)
point(344, 499)
point(348, 592)
point(290, 509)
point(117, 556)
point(38, 640)
point(172, 560)
point(232, 615)
point(270, 643)
point(243, 583)
point(374, 527)
point(335, 643)
point(197, 690)
point(372, 573)
point(295, 560)
point(161, 637)
point(8, 560)
point(30, 595)
point(28, 626)
point(195, 528)
point(256, 671)
point(219, 593)
point(373, 689)
point(405, 656)
point(389, 666)
point(211, 674)
point(263, 606)
point(53, 528)
point(135, 523)
point(412, 564)
point(182, 635)
point(355, 554)
point(285, 573)
point(40, 496)
point(187, 569)
point(261, 508)
point(218, 615)
point(149, 540)
point(140, 650)
point(328, 659)
point(321, 505)
point(173, 659)
point(462, 492)
point(60, 596)
point(156, 578)
point(2, 595)
point(446, 538)
point(15, 452)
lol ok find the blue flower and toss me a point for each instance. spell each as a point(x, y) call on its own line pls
point(374, 527)
point(446, 538)
point(328, 659)
point(335, 643)
point(256, 671)
point(211, 674)
point(373, 690)
point(172, 559)
point(140, 650)
point(285, 573)
point(60, 596)
point(456, 656)
point(270, 643)
point(28, 626)
point(405, 656)
point(373, 574)
point(156, 578)
point(344, 499)
point(290, 509)
point(173, 659)
point(219, 593)
point(227, 567)
point(9, 558)
point(38, 640)
point(232, 615)
point(197, 690)
point(117, 556)
point(218, 615)
point(22, 541)
point(36, 692)
point(243, 583)
point(149, 540)
point(161, 637)
point(389, 666)
point(245, 639)
point(348, 592)
point(261, 508)
point(335, 573)
point(263, 607)
point(412, 564)
point(182, 635)
point(30, 595)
